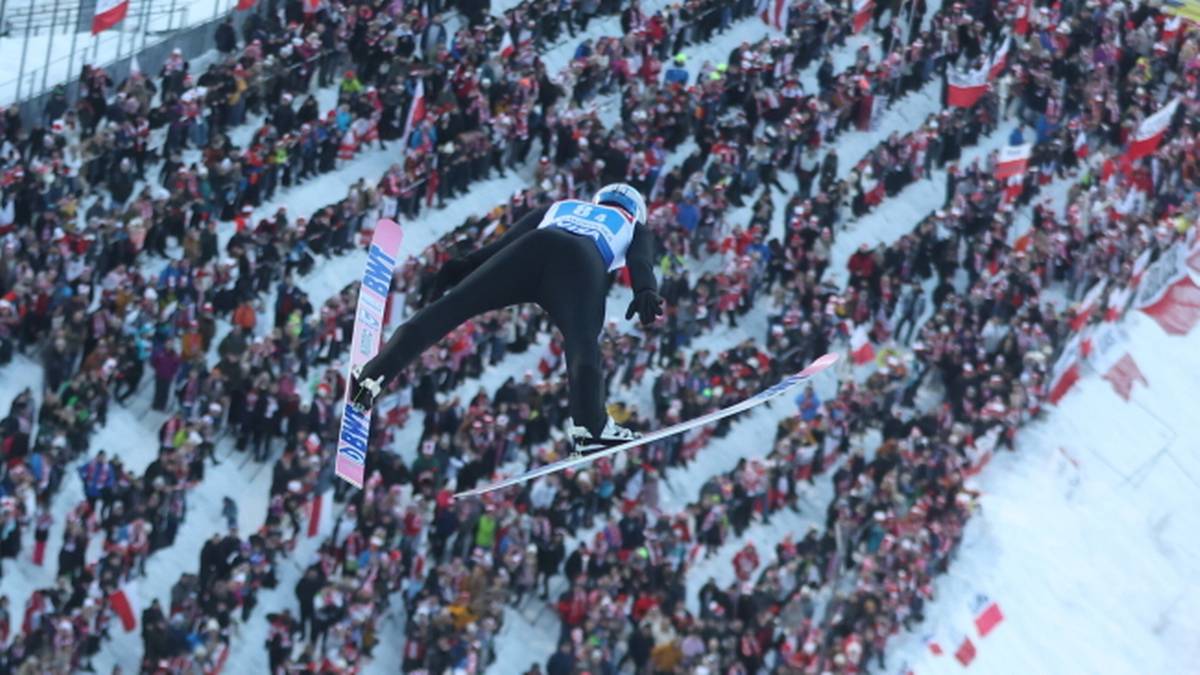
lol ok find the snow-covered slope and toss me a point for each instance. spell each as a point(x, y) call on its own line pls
point(1086, 536)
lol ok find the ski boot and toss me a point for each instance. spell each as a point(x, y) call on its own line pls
point(584, 444)
point(363, 392)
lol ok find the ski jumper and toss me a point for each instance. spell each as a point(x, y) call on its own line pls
point(558, 257)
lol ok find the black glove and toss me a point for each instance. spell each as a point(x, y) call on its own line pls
point(454, 271)
point(647, 304)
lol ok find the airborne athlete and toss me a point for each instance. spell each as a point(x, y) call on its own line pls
point(558, 257)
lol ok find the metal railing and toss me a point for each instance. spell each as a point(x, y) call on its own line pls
point(149, 33)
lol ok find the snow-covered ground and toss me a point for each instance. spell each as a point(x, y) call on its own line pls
point(1086, 536)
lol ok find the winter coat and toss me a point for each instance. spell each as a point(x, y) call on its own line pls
point(166, 363)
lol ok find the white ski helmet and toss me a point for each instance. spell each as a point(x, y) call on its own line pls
point(625, 196)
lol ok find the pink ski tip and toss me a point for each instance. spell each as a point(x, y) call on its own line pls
point(348, 470)
point(820, 364)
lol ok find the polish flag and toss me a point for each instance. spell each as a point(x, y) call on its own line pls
point(862, 13)
point(775, 13)
point(1123, 374)
point(1171, 28)
point(1013, 160)
point(125, 604)
point(1110, 356)
point(1066, 369)
point(1151, 131)
point(506, 45)
point(1081, 145)
point(1012, 190)
point(1117, 300)
point(1021, 22)
point(966, 88)
point(416, 111)
point(1091, 300)
point(987, 614)
point(314, 515)
point(108, 14)
point(999, 59)
point(1139, 267)
point(861, 349)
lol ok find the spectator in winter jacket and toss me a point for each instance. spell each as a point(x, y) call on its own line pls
point(862, 264)
point(166, 363)
point(808, 404)
point(829, 170)
point(562, 662)
point(306, 592)
point(57, 362)
point(549, 557)
point(97, 476)
point(225, 37)
point(912, 307)
point(677, 74)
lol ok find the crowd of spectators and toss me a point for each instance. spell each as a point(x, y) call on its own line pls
point(80, 206)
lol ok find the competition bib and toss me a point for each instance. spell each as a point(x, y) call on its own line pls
point(608, 227)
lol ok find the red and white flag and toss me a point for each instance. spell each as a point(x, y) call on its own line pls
point(1091, 300)
point(1013, 160)
point(999, 59)
point(967, 88)
point(1167, 294)
point(862, 13)
point(1171, 28)
point(1015, 184)
point(108, 14)
point(1021, 20)
point(1139, 267)
point(775, 13)
point(1111, 358)
point(1081, 144)
point(1151, 131)
point(506, 45)
point(314, 515)
point(1066, 370)
point(1177, 309)
point(1123, 374)
point(416, 111)
point(987, 614)
point(1114, 307)
point(127, 606)
point(861, 349)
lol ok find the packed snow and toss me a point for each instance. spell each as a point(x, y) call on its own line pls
point(1086, 535)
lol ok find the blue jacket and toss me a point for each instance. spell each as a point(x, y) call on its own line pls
point(688, 216)
point(676, 75)
point(809, 405)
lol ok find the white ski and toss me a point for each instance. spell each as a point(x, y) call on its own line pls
point(782, 387)
point(382, 258)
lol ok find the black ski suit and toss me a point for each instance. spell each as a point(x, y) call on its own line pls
point(563, 273)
